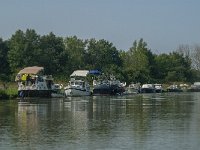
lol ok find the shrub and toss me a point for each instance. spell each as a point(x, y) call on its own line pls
point(3, 95)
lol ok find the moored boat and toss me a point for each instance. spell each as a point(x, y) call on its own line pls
point(109, 86)
point(174, 88)
point(194, 87)
point(33, 83)
point(148, 88)
point(158, 88)
point(78, 85)
point(133, 89)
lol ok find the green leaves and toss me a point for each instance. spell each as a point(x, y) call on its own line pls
point(61, 56)
point(4, 65)
point(141, 65)
point(75, 49)
point(22, 49)
point(137, 62)
point(173, 67)
point(102, 55)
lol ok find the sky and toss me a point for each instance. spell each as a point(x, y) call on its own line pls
point(163, 24)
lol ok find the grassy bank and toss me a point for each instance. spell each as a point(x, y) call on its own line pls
point(8, 91)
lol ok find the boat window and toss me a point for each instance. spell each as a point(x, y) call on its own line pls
point(40, 79)
point(49, 83)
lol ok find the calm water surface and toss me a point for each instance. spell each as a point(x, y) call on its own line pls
point(147, 122)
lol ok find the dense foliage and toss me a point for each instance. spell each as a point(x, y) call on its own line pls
point(61, 56)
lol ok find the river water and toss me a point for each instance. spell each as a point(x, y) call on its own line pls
point(142, 121)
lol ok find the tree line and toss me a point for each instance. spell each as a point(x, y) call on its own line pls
point(61, 56)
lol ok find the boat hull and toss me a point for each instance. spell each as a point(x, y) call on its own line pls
point(35, 93)
point(108, 90)
point(76, 92)
point(131, 91)
point(174, 90)
point(147, 90)
point(159, 90)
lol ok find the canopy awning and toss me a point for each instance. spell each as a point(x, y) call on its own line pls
point(80, 73)
point(31, 70)
point(95, 72)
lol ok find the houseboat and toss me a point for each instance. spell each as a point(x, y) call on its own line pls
point(33, 83)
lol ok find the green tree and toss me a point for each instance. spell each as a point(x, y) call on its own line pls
point(173, 67)
point(137, 62)
point(163, 65)
point(104, 56)
point(75, 52)
point(29, 49)
point(23, 48)
point(16, 53)
point(181, 67)
point(4, 69)
point(51, 54)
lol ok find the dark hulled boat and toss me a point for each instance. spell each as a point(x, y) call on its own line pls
point(108, 87)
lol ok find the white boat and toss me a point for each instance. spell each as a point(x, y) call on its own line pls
point(158, 88)
point(194, 87)
point(78, 85)
point(33, 83)
point(148, 88)
point(58, 91)
point(174, 88)
point(133, 89)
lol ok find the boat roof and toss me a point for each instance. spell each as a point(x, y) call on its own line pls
point(196, 83)
point(31, 70)
point(80, 73)
point(95, 72)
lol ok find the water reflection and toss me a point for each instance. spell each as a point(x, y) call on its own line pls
point(146, 121)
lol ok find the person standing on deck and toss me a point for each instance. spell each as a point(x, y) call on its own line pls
point(24, 76)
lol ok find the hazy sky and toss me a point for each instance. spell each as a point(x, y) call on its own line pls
point(163, 24)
